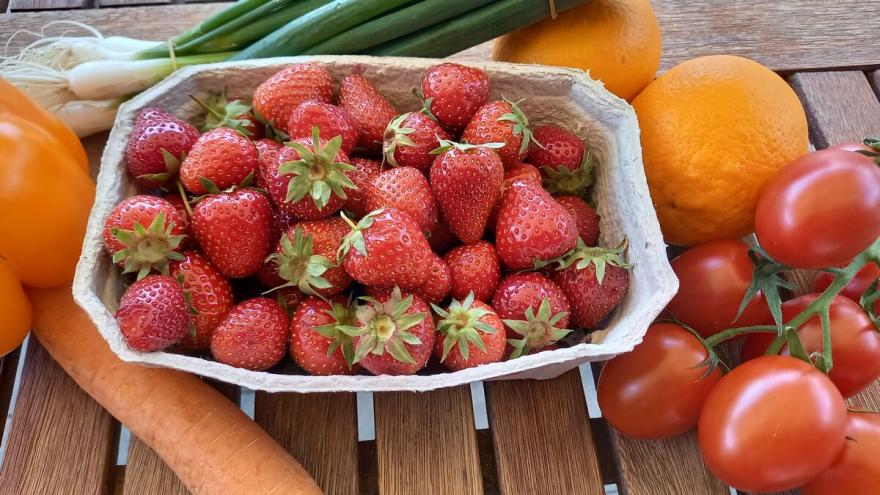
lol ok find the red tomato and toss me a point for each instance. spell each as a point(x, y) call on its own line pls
point(820, 210)
point(771, 424)
point(713, 278)
point(855, 344)
point(856, 471)
point(655, 391)
point(856, 287)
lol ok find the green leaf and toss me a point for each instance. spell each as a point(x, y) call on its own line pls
point(399, 352)
point(209, 185)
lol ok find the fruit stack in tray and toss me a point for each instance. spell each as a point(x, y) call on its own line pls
point(356, 238)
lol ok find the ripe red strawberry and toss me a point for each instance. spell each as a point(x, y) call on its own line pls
point(234, 113)
point(595, 280)
point(554, 146)
point(585, 217)
point(534, 311)
point(316, 343)
point(475, 268)
point(410, 139)
point(143, 233)
point(519, 171)
point(532, 226)
point(435, 288)
point(209, 296)
point(233, 230)
point(440, 237)
point(158, 142)
point(253, 335)
point(365, 170)
point(289, 298)
point(279, 95)
point(183, 214)
point(407, 190)
point(387, 248)
point(470, 334)
point(393, 335)
point(267, 150)
point(330, 120)
point(306, 254)
point(309, 181)
point(466, 181)
point(152, 314)
point(222, 156)
point(368, 108)
point(454, 92)
point(501, 122)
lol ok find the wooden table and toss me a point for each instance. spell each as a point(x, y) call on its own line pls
point(541, 436)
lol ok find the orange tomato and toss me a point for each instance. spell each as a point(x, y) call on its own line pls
point(15, 308)
point(45, 200)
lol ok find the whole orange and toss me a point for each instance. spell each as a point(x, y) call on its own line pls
point(715, 129)
point(617, 41)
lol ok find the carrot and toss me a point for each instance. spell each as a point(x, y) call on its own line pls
point(210, 443)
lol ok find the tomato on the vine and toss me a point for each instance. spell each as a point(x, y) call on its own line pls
point(713, 278)
point(855, 343)
point(821, 210)
point(656, 391)
point(772, 424)
point(856, 471)
point(855, 288)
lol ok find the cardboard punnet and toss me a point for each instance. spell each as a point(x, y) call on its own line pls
point(552, 95)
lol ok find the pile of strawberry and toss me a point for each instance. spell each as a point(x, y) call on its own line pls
point(354, 237)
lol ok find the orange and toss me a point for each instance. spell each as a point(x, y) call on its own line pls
point(617, 41)
point(714, 130)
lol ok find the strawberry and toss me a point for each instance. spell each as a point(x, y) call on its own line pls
point(454, 92)
point(184, 214)
point(143, 233)
point(435, 288)
point(467, 183)
point(316, 343)
point(470, 334)
point(277, 97)
point(289, 298)
point(221, 157)
point(595, 280)
point(410, 139)
point(585, 218)
point(532, 226)
point(501, 122)
point(209, 296)
point(534, 311)
point(330, 120)
point(233, 230)
point(368, 108)
point(267, 150)
point(440, 237)
point(303, 257)
point(393, 335)
point(308, 181)
point(365, 170)
point(158, 142)
point(518, 171)
point(234, 113)
point(475, 269)
point(152, 314)
point(386, 248)
point(253, 335)
point(554, 146)
point(407, 190)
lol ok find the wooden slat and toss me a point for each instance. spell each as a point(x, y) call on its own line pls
point(129, 3)
point(8, 368)
point(61, 441)
point(16, 5)
point(543, 442)
point(320, 430)
point(426, 443)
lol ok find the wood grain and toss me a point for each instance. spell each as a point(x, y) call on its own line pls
point(841, 106)
point(147, 474)
point(319, 430)
point(16, 5)
point(61, 440)
point(426, 443)
point(542, 437)
point(8, 369)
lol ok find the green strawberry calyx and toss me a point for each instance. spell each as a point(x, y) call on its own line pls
point(221, 112)
point(148, 249)
point(582, 256)
point(446, 145)
point(316, 172)
point(462, 324)
point(342, 315)
point(395, 136)
point(355, 238)
point(298, 265)
point(172, 167)
point(520, 124)
point(385, 327)
point(563, 180)
point(426, 104)
point(537, 330)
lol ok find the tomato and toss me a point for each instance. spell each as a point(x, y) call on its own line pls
point(856, 471)
point(856, 287)
point(713, 278)
point(771, 424)
point(15, 308)
point(655, 391)
point(855, 344)
point(820, 210)
point(851, 146)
